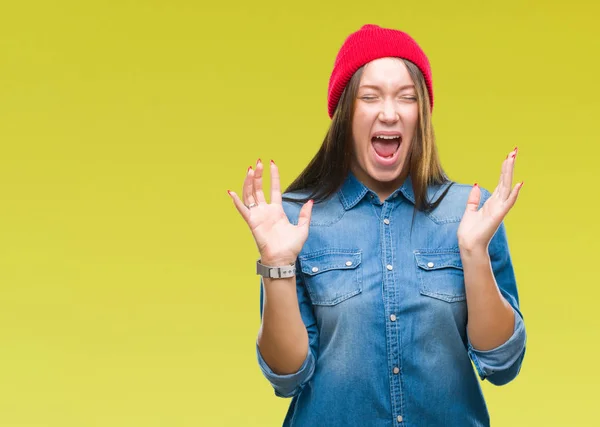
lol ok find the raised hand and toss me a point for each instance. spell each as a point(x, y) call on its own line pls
point(278, 241)
point(478, 226)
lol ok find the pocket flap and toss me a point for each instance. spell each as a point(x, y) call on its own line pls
point(436, 260)
point(330, 259)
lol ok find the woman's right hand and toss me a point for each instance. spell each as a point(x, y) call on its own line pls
point(278, 241)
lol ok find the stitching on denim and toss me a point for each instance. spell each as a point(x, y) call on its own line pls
point(422, 271)
point(454, 218)
point(337, 300)
point(336, 251)
point(344, 255)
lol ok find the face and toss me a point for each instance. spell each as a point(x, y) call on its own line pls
point(383, 125)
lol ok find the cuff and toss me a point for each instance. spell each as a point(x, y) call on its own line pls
point(288, 385)
point(503, 357)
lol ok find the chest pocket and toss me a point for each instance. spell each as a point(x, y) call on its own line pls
point(441, 274)
point(332, 275)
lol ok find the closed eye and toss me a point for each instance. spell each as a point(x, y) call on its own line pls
point(368, 98)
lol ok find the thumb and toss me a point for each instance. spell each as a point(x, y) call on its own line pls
point(305, 214)
point(474, 197)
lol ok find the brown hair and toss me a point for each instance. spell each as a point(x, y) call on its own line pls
point(326, 172)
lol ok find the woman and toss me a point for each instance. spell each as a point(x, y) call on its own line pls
point(364, 319)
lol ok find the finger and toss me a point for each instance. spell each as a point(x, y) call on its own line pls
point(275, 188)
point(305, 214)
point(258, 191)
point(514, 194)
point(505, 181)
point(243, 210)
point(248, 194)
point(509, 174)
point(473, 200)
point(500, 189)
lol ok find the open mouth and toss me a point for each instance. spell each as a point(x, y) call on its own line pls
point(386, 146)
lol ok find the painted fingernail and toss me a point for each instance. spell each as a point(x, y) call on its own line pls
point(475, 185)
point(512, 156)
point(258, 161)
point(522, 182)
point(249, 168)
point(272, 162)
point(516, 148)
point(229, 192)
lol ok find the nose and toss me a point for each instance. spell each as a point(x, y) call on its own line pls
point(389, 113)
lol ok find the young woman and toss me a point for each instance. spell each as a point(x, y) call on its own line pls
point(387, 289)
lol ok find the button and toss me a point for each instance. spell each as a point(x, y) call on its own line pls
point(399, 418)
point(393, 317)
point(396, 370)
point(371, 196)
point(386, 221)
point(348, 263)
point(429, 264)
point(389, 267)
point(315, 269)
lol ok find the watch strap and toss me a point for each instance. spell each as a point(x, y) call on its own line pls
point(276, 272)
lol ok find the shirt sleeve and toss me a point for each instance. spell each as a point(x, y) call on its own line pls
point(289, 385)
point(502, 364)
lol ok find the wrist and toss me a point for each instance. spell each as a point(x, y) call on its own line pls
point(277, 262)
point(278, 270)
point(473, 250)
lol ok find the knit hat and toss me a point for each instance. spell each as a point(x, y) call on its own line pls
point(367, 44)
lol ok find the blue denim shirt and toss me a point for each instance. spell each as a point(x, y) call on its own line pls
point(386, 314)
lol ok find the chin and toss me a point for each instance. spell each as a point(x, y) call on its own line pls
point(385, 175)
point(373, 173)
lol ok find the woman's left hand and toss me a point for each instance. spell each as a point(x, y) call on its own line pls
point(478, 226)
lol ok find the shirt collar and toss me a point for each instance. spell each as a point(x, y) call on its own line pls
point(352, 191)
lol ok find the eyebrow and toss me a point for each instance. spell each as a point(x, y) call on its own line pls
point(378, 88)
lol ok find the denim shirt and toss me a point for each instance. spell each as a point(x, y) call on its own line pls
point(386, 315)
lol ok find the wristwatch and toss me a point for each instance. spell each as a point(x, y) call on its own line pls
point(282, 272)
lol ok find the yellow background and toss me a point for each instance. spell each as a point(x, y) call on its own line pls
point(127, 288)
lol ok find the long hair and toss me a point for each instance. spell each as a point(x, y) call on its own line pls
point(326, 172)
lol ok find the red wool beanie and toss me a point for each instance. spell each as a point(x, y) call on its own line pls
point(367, 44)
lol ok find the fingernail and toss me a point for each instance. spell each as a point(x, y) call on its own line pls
point(522, 182)
point(258, 161)
point(311, 201)
point(512, 156)
point(229, 192)
point(272, 162)
point(475, 185)
point(249, 167)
